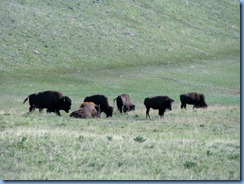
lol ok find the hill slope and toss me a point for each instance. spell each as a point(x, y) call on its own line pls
point(100, 33)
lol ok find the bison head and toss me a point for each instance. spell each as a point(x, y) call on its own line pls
point(109, 111)
point(169, 103)
point(129, 108)
point(65, 104)
point(202, 105)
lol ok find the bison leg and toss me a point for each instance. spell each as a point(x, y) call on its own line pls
point(183, 105)
point(58, 113)
point(125, 108)
point(195, 106)
point(51, 110)
point(147, 113)
point(121, 109)
point(31, 109)
point(161, 113)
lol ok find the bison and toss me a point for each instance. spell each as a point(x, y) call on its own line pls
point(87, 111)
point(53, 101)
point(97, 107)
point(124, 103)
point(195, 99)
point(83, 104)
point(158, 102)
point(101, 100)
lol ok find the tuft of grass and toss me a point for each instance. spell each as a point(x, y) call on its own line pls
point(189, 164)
point(139, 139)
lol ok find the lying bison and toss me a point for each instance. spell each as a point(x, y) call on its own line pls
point(53, 101)
point(103, 102)
point(83, 104)
point(97, 107)
point(158, 102)
point(195, 99)
point(87, 111)
point(124, 103)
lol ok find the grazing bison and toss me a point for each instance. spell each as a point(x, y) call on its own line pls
point(158, 102)
point(124, 104)
point(87, 111)
point(195, 99)
point(103, 102)
point(53, 101)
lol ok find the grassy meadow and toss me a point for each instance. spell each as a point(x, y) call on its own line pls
point(143, 48)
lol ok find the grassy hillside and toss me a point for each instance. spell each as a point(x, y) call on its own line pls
point(143, 48)
point(88, 34)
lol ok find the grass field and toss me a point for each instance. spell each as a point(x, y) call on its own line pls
point(143, 48)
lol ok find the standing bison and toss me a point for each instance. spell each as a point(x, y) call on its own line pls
point(103, 102)
point(124, 103)
point(53, 101)
point(87, 111)
point(158, 102)
point(195, 99)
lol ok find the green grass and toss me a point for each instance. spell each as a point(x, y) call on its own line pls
point(201, 144)
point(143, 48)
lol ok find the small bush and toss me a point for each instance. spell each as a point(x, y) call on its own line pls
point(189, 164)
point(139, 139)
point(209, 153)
point(109, 138)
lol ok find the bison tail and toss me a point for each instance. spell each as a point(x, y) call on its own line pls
point(25, 100)
point(114, 100)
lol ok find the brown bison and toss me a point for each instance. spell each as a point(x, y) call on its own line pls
point(53, 101)
point(158, 102)
point(83, 104)
point(87, 111)
point(124, 103)
point(97, 107)
point(101, 100)
point(195, 99)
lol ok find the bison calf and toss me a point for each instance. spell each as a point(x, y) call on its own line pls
point(97, 107)
point(101, 100)
point(53, 101)
point(87, 111)
point(124, 103)
point(158, 102)
point(195, 99)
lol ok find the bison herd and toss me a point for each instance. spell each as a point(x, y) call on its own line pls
point(94, 105)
